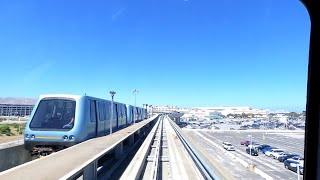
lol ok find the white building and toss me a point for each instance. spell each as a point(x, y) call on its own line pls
point(235, 110)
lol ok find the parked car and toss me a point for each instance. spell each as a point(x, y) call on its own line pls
point(254, 145)
point(273, 152)
point(267, 149)
point(293, 165)
point(285, 157)
point(228, 146)
point(277, 155)
point(296, 159)
point(254, 152)
point(245, 143)
point(262, 146)
point(243, 128)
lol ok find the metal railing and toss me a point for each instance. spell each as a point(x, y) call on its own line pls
point(205, 169)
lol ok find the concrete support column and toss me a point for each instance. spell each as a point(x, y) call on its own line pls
point(137, 132)
point(131, 140)
point(90, 172)
point(118, 151)
point(177, 120)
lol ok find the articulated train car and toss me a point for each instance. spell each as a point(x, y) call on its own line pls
point(60, 121)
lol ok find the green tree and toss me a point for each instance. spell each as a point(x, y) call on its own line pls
point(244, 115)
point(293, 114)
point(5, 129)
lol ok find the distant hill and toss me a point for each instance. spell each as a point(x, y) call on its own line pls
point(18, 101)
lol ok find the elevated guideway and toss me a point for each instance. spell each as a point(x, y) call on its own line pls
point(83, 160)
point(167, 154)
point(162, 156)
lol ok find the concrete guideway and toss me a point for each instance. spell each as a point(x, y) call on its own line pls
point(167, 153)
point(82, 158)
point(161, 156)
point(12, 143)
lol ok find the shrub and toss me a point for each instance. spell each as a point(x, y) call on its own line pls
point(5, 129)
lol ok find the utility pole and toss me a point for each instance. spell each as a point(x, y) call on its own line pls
point(146, 110)
point(151, 109)
point(112, 95)
point(19, 129)
point(135, 92)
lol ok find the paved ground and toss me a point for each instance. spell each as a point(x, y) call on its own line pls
point(212, 142)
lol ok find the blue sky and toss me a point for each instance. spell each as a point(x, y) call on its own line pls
point(175, 52)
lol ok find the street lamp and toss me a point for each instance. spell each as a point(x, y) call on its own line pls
point(112, 95)
point(251, 146)
point(151, 108)
point(135, 93)
point(146, 110)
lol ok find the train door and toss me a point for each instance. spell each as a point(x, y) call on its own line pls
point(124, 110)
point(93, 116)
point(115, 117)
point(117, 114)
point(108, 117)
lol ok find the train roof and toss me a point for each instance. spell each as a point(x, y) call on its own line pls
point(60, 96)
point(76, 97)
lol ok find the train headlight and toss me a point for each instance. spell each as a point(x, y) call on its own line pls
point(32, 136)
point(27, 136)
point(65, 137)
point(72, 137)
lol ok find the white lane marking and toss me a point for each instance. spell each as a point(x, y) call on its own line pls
point(220, 158)
point(243, 162)
point(268, 160)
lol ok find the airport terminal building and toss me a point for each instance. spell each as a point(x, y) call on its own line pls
point(16, 106)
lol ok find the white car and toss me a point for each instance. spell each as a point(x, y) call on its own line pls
point(273, 152)
point(228, 146)
point(277, 155)
point(253, 146)
point(297, 159)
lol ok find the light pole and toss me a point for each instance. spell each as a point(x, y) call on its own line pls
point(150, 110)
point(135, 93)
point(112, 95)
point(146, 110)
point(19, 129)
point(251, 146)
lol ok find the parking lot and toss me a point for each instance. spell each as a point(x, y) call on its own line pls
point(211, 141)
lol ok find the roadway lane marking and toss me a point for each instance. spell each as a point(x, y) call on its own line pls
point(241, 161)
point(268, 160)
point(271, 161)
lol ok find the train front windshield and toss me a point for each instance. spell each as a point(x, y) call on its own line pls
point(54, 114)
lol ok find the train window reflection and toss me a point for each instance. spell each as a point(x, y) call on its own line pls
point(54, 114)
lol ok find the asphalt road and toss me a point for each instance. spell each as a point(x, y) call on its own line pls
point(290, 141)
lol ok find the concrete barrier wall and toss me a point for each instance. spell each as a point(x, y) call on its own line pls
point(13, 156)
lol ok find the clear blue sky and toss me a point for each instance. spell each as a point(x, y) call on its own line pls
point(175, 52)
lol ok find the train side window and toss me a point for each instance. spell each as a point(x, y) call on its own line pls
point(108, 110)
point(124, 111)
point(93, 117)
point(121, 111)
point(114, 111)
point(101, 111)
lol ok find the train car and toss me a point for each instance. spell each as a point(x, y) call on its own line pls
point(130, 114)
point(60, 121)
